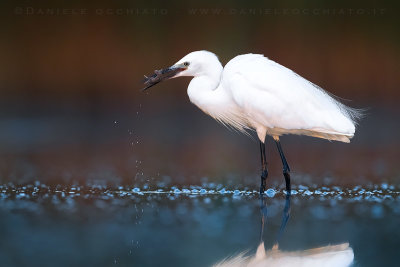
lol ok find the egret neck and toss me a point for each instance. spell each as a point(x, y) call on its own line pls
point(202, 90)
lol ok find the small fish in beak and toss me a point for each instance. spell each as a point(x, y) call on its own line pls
point(160, 75)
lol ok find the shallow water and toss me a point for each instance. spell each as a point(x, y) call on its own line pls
point(86, 192)
point(190, 225)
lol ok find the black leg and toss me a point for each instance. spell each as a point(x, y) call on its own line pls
point(264, 171)
point(286, 168)
point(263, 210)
point(285, 218)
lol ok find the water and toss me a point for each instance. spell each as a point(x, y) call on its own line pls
point(155, 192)
point(95, 225)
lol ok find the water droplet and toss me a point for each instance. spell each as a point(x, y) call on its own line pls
point(270, 192)
point(222, 191)
point(177, 191)
point(302, 187)
point(308, 193)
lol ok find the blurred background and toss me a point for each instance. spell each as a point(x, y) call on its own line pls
point(71, 110)
point(77, 134)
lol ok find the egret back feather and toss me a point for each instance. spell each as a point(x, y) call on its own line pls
point(283, 102)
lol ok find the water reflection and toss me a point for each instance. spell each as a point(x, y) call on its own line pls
point(332, 255)
point(94, 225)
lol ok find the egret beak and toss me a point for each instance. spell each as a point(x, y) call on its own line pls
point(161, 75)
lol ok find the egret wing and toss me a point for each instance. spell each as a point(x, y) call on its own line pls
point(276, 97)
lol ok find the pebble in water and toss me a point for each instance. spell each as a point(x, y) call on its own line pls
point(222, 191)
point(374, 193)
point(270, 192)
point(177, 191)
point(302, 187)
point(308, 193)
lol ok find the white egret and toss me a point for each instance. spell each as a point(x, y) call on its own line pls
point(255, 93)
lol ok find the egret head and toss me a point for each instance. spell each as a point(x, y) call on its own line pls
point(193, 64)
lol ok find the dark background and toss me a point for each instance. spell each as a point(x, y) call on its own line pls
point(71, 109)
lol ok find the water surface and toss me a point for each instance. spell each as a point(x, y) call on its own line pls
point(94, 225)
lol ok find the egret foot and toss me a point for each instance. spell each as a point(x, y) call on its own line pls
point(286, 174)
point(263, 185)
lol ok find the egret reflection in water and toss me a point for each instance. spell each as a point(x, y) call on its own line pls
point(341, 255)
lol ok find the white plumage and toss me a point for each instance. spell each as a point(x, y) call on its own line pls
point(254, 92)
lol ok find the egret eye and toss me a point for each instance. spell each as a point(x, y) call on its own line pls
point(186, 64)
